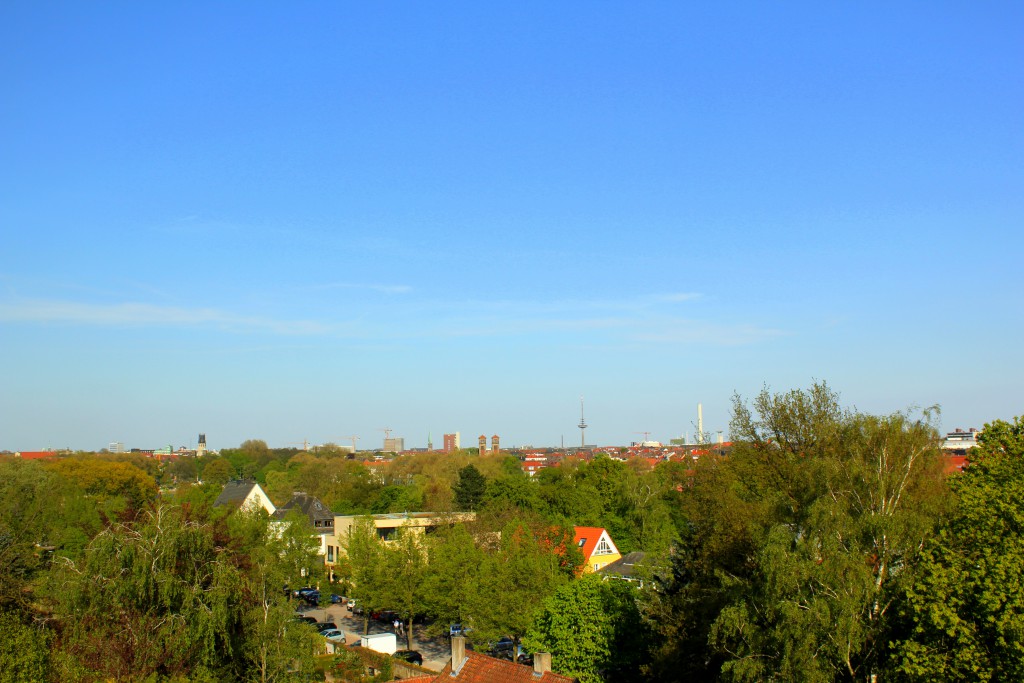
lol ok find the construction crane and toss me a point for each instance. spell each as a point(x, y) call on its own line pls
point(353, 439)
point(387, 434)
point(646, 434)
point(304, 443)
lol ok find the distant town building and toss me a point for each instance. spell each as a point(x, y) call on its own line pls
point(451, 442)
point(494, 444)
point(116, 447)
point(35, 455)
point(958, 442)
point(394, 444)
point(482, 444)
point(201, 447)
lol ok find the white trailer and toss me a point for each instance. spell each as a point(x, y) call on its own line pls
point(380, 642)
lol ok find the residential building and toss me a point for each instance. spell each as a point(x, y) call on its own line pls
point(630, 567)
point(321, 519)
point(597, 547)
point(387, 527)
point(244, 494)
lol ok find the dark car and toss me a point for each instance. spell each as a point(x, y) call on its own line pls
point(336, 599)
point(411, 656)
point(325, 625)
point(525, 659)
point(504, 649)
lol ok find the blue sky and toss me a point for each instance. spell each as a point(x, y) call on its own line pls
point(316, 220)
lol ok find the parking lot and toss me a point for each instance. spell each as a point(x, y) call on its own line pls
point(436, 651)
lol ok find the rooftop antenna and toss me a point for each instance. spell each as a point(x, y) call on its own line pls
point(582, 426)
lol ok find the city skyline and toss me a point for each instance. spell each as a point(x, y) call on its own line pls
point(264, 223)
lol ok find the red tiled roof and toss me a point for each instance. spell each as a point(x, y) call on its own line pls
point(35, 455)
point(954, 463)
point(420, 679)
point(479, 668)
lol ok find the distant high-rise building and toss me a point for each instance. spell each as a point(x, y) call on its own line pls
point(483, 444)
point(116, 447)
point(394, 444)
point(201, 447)
point(451, 442)
point(494, 444)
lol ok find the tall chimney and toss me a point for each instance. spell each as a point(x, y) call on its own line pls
point(458, 653)
point(541, 663)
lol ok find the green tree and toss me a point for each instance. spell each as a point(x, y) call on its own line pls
point(172, 594)
point(963, 614)
point(218, 472)
point(24, 650)
point(591, 627)
point(453, 563)
point(794, 542)
point(405, 585)
point(365, 568)
point(470, 488)
point(514, 580)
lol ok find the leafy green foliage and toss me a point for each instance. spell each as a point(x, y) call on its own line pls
point(470, 488)
point(173, 594)
point(24, 650)
point(795, 541)
point(963, 616)
point(590, 626)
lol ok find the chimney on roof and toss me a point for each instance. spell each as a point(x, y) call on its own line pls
point(541, 663)
point(458, 653)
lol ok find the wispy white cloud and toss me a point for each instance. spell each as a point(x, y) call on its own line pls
point(386, 289)
point(680, 331)
point(645, 320)
point(141, 314)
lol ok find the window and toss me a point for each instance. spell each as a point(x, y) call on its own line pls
point(580, 544)
point(603, 548)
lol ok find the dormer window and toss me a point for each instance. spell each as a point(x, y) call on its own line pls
point(603, 548)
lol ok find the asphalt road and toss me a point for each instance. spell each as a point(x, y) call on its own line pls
point(436, 651)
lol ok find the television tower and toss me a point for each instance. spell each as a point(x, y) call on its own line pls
point(582, 426)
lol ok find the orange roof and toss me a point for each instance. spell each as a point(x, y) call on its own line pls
point(35, 455)
point(954, 463)
point(589, 535)
point(479, 668)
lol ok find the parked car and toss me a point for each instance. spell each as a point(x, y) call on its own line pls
point(351, 604)
point(337, 599)
point(326, 625)
point(305, 618)
point(504, 649)
point(525, 659)
point(458, 630)
point(333, 635)
point(411, 656)
point(311, 598)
